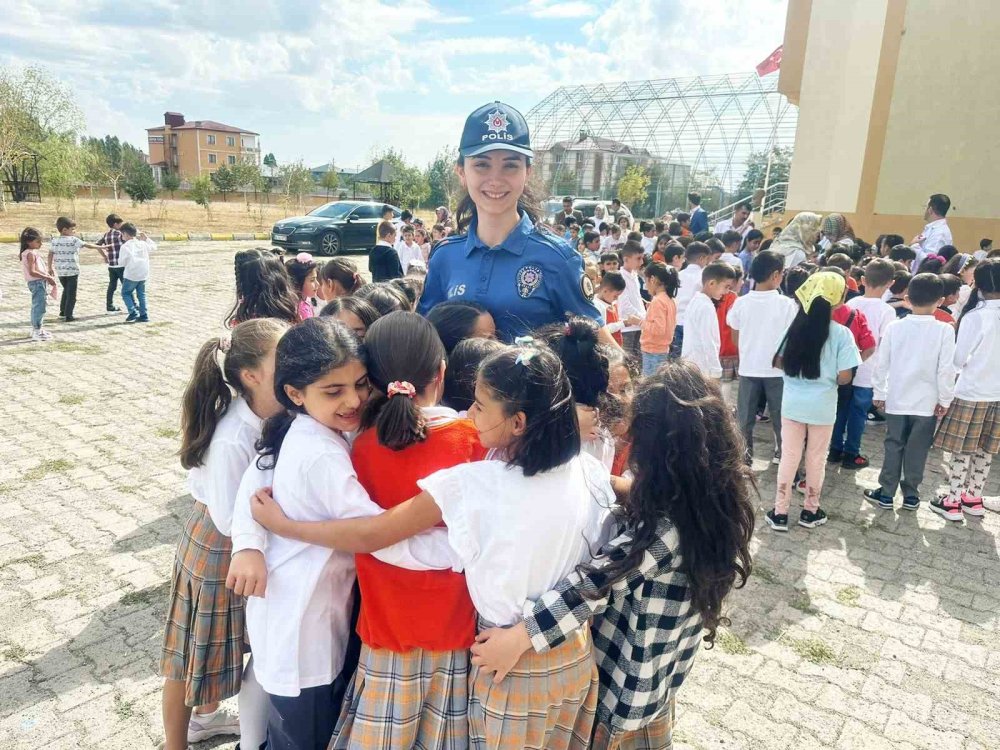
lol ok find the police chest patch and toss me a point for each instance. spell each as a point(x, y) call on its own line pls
point(529, 278)
point(587, 287)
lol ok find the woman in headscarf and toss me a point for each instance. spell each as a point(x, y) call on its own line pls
point(443, 217)
point(835, 228)
point(797, 241)
point(600, 214)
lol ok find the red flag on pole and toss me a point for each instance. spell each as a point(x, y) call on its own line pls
point(771, 64)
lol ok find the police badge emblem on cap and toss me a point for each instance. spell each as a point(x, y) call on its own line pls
point(587, 287)
point(493, 127)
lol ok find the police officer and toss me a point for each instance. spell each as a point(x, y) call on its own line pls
point(525, 276)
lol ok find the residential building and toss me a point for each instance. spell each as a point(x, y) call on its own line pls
point(199, 147)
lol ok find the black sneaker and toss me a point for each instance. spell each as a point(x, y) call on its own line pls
point(777, 521)
point(854, 462)
point(874, 416)
point(113, 309)
point(834, 456)
point(142, 319)
point(68, 320)
point(911, 503)
point(876, 496)
point(812, 520)
point(132, 317)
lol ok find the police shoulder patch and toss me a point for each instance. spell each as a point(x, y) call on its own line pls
point(529, 278)
point(587, 287)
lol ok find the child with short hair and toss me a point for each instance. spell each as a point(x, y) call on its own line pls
point(304, 273)
point(952, 287)
point(591, 246)
point(606, 299)
point(408, 250)
point(631, 308)
point(112, 243)
point(702, 342)
point(914, 383)
point(64, 262)
point(731, 242)
point(383, 260)
point(39, 282)
point(696, 256)
point(134, 257)
point(610, 262)
point(759, 320)
point(895, 295)
point(970, 431)
point(661, 316)
point(729, 354)
point(617, 239)
point(648, 241)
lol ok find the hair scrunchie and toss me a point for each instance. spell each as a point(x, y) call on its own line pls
point(401, 388)
point(225, 343)
point(303, 258)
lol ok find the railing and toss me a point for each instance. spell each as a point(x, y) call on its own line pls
point(773, 202)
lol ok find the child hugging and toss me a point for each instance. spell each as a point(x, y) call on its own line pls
point(539, 496)
point(304, 273)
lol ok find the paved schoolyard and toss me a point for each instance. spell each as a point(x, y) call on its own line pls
point(878, 630)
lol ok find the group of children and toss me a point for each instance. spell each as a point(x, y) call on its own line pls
point(410, 455)
point(123, 248)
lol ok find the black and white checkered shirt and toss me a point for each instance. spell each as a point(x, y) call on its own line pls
point(646, 633)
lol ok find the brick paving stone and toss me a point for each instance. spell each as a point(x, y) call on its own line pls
point(876, 630)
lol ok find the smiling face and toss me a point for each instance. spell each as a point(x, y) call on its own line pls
point(495, 181)
point(496, 429)
point(335, 399)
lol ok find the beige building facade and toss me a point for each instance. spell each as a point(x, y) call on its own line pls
point(896, 102)
point(200, 147)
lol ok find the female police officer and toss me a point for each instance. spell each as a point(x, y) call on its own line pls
point(525, 276)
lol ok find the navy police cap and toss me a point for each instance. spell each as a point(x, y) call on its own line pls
point(495, 126)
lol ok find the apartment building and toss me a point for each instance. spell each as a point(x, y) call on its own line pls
point(199, 147)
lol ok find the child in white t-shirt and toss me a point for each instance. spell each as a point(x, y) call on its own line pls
point(696, 257)
point(702, 337)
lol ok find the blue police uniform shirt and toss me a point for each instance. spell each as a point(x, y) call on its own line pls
point(530, 279)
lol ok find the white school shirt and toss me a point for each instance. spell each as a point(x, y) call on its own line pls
point(702, 338)
point(762, 318)
point(630, 302)
point(879, 315)
point(408, 255)
point(299, 629)
point(134, 257)
point(602, 308)
point(936, 235)
point(519, 536)
point(914, 366)
point(977, 354)
point(726, 224)
point(229, 454)
point(690, 280)
point(648, 244)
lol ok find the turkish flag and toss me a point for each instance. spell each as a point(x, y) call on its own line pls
point(771, 64)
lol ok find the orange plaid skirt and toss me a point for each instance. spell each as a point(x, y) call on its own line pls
point(658, 734)
point(203, 642)
point(970, 427)
point(547, 701)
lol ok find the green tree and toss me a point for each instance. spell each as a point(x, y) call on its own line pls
point(632, 187)
point(442, 181)
point(201, 192)
point(139, 184)
point(330, 179)
point(270, 161)
point(64, 168)
point(296, 182)
point(224, 181)
point(756, 169)
point(410, 182)
point(171, 182)
point(246, 176)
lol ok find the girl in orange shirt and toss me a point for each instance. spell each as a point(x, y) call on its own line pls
point(661, 316)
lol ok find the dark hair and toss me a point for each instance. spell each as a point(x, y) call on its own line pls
point(613, 280)
point(673, 251)
point(532, 380)
point(408, 229)
point(930, 265)
point(902, 253)
point(686, 458)
point(634, 236)
point(959, 263)
point(586, 362)
point(299, 271)
point(984, 243)
point(675, 230)
point(617, 200)
point(952, 284)
point(28, 235)
point(209, 392)
point(715, 246)
point(527, 204)
point(666, 275)
point(305, 354)
point(987, 281)
point(765, 265)
point(343, 272)
point(386, 208)
point(112, 219)
point(940, 204)
point(794, 278)
point(609, 257)
point(754, 234)
point(878, 272)
point(263, 288)
point(590, 236)
point(745, 205)
point(805, 339)
point(384, 297)
point(841, 261)
point(718, 271)
point(947, 252)
point(694, 198)
point(386, 229)
point(401, 346)
point(900, 280)
point(567, 199)
point(645, 226)
point(925, 289)
point(455, 320)
point(64, 222)
point(892, 240)
point(766, 244)
point(127, 228)
point(731, 236)
point(409, 291)
point(681, 217)
point(696, 250)
point(631, 247)
point(569, 222)
point(406, 214)
point(463, 364)
point(359, 307)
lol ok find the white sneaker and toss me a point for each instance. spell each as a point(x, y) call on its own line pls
point(776, 458)
point(992, 503)
point(223, 722)
point(44, 334)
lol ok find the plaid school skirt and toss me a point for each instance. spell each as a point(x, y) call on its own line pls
point(970, 427)
point(203, 640)
point(547, 701)
point(730, 365)
point(410, 700)
point(658, 734)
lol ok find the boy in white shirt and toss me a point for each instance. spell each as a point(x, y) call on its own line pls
point(759, 320)
point(631, 308)
point(731, 241)
point(696, 257)
point(702, 336)
point(409, 251)
point(134, 257)
point(914, 381)
point(648, 230)
point(64, 262)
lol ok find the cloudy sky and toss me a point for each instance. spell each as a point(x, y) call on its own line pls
point(337, 78)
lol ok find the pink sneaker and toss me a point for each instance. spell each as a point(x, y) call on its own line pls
point(972, 505)
point(945, 506)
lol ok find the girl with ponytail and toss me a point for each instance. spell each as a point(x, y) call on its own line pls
point(230, 394)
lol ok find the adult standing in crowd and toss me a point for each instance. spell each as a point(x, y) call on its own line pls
point(522, 274)
point(740, 222)
point(568, 212)
point(442, 216)
point(618, 211)
point(699, 216)
point(797, 242)
point(936, 232)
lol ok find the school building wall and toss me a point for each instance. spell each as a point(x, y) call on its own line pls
point(895, 103)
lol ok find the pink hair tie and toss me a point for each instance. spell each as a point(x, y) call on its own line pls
point(401, 388)
point(304, 258)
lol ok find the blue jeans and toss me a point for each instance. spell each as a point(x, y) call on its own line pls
point(852, 418)
point(38, 289)
point(651, 362)
point(137, 288)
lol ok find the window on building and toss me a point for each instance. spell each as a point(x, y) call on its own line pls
point(211, 140)
point(231, 159)
point(230, 140)
point(212, 159)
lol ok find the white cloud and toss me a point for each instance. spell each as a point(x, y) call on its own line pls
point(555, 9)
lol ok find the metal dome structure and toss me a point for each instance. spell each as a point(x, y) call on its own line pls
point(690, 133)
